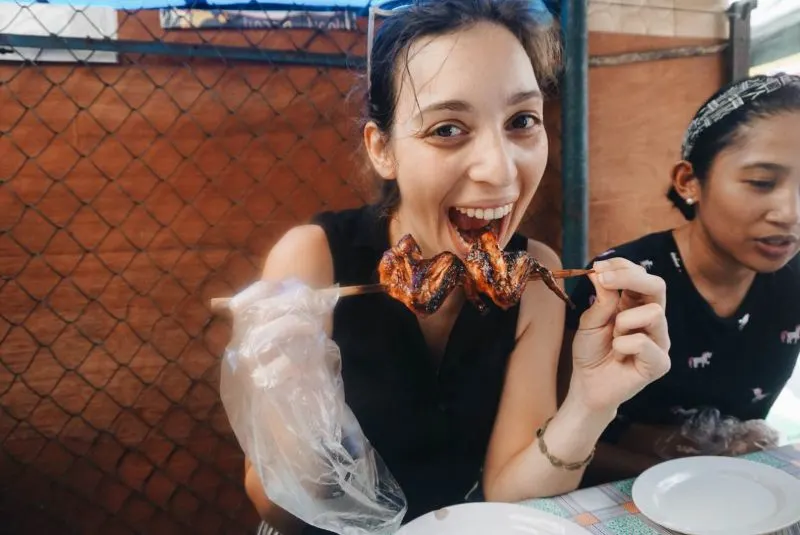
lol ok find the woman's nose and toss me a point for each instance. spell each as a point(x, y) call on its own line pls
point(494, 161)
point(787, 211)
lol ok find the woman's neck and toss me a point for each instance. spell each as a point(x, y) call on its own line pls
point(396, 230)
point(719, 278)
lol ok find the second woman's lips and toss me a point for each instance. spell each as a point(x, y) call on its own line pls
point(779, 239)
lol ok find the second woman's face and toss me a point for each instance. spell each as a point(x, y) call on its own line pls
point(750, 203)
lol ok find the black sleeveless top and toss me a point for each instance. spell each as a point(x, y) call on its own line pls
point(430, 423)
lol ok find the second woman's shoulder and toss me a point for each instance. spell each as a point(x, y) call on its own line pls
point(642, 249)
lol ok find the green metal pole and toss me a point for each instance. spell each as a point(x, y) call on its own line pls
point(575, 135)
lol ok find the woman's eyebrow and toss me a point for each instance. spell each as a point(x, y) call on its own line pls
point(767, 166)
point(522, 96)
point(464, 106)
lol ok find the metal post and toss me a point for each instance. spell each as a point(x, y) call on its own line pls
point(9, 42)
point(738, 54)
point(575, 135)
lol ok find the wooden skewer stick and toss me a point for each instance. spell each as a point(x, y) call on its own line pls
point(221, 303)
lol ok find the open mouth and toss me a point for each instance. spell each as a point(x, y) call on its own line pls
point(470, 223)
point(778, 241)
point(777, 246)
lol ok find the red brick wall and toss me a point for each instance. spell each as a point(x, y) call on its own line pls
point(131, 194)
point(638, 115)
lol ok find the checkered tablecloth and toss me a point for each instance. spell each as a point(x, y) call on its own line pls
point(609, 509)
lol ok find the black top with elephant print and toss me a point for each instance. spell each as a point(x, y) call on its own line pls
point(737, 365)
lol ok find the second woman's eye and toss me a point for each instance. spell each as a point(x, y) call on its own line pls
point(764, 185)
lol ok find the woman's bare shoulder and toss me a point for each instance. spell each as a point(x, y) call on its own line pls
point(304, 253)
point(540, 302)
point(544, 254)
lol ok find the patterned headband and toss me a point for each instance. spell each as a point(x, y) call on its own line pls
point(729, 101)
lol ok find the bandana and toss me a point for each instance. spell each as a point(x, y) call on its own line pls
point(729, 101)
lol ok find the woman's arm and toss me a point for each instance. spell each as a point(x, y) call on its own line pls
point(611, 462)
point(621, 346)
point(274, 516)
point(302, 253)
point(515, 468)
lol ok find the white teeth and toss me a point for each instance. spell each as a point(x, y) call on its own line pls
point(487, 213)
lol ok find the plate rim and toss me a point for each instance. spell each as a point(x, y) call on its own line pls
point(520, 506)
point(637, 489)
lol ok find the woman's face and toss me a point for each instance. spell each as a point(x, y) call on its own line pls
point(468, 147)
point(750, 202)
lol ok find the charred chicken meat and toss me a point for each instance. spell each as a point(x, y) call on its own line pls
point(424, 284)
point(503, 276)
point(419, 283)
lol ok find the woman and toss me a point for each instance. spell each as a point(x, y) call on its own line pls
point(455, 400)
point(733, 282)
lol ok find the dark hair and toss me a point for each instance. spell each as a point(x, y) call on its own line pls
point(721, 134)
point(532, 26)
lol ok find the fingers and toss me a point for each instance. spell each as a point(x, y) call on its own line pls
point(602, 311)
point(650, 360)
point(649, 319)
point(622, 274)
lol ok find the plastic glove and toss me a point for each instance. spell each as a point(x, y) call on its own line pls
point(281, 387)
point(706, 432)
point(753, 435)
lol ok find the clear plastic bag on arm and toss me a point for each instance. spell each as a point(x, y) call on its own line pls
point(705, 431)
point(282, 390)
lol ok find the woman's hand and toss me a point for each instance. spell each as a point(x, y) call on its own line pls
point(622, 342)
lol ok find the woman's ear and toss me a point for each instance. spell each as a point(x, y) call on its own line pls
point(685, 182)
point(379, 151)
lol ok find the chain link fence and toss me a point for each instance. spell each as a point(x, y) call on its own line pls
point(140, 176)
point(142, 172)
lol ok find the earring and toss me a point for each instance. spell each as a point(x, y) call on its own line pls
point(690, 201)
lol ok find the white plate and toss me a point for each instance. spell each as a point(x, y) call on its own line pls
point(490, 518)
point(718, 496)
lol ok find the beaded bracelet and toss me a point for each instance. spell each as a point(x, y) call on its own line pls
point(558, 463)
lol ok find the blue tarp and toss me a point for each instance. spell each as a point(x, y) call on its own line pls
point(360, 6)
point(300, 5)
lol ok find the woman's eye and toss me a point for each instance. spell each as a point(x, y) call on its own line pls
point(447, 130)
point(762, 184)
point(525, 121)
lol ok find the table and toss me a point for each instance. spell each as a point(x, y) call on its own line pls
point(609, 509)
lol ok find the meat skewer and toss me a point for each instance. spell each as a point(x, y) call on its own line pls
point(221, 303)
point(423, 284)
